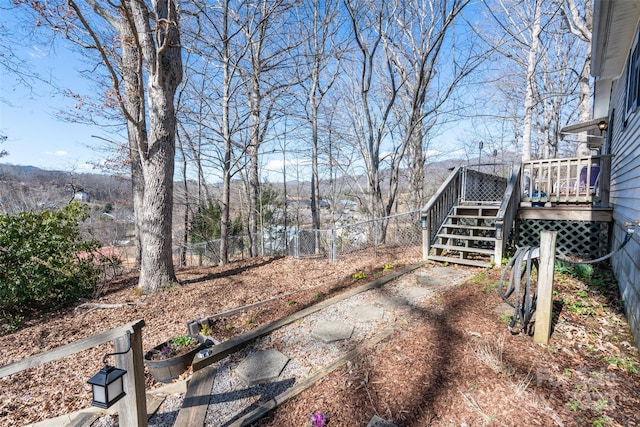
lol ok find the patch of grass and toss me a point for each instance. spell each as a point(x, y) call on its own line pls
point(579, 271)
point(359, 275)
point(318, 295)
point(601, 405)
point(387, 267)
point(622, 363)
point(579, 306)
point(483, 279)
point(289, 302)
point(205, 330)
point(575, 405)
point(506, 318)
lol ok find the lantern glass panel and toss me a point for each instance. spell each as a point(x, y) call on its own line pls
point(114, 389)
point(99, 395)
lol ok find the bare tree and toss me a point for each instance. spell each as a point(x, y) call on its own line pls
point(400, 47)
point(579, 17)
point(267, 72)
point(421, 43)
point(135, 41)
point(322, 54)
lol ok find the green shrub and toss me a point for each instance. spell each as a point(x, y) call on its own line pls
point(45, 264)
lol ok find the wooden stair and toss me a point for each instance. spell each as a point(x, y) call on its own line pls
point(467, 236)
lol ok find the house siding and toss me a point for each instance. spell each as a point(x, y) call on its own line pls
point(624, 197)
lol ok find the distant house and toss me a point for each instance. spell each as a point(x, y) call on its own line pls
point(616, 68)
point(81, 196)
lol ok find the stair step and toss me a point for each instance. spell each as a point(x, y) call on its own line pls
point(470, 227)
point(488, 210)
point(473, 217)
point(470, 262)
point(463, 249)
point(466, 237)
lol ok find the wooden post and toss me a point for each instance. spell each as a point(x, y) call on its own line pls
point(133, 407)
point(544, 305)
point(499, 244)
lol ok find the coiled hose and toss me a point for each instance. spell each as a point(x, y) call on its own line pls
point(524, 302)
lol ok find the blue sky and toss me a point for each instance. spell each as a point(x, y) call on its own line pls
point(37, 138)
point(27, 114)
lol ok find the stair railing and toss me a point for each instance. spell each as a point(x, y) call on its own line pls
point(435, 212)
point(506, 215)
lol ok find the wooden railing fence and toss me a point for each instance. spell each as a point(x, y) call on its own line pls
point(133, 407)
point(505, 218)
point(436, 210)
point(567, 180)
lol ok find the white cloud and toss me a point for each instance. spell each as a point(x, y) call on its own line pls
point(57, 153)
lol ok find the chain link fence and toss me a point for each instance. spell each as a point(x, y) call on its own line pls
point(386, 237)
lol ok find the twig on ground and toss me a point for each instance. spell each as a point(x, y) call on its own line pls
point(93, 306)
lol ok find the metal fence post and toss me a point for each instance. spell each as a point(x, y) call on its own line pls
point(334, 246)
point(426, 236)
point(375, 238)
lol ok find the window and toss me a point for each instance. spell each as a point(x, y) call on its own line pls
point(633, 79)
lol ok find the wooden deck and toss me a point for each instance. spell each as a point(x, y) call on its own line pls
point(566, 213)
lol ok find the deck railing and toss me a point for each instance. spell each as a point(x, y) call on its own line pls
point(582, 180)
point(505, 218)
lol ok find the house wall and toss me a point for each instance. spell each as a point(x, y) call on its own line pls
point(625, 197)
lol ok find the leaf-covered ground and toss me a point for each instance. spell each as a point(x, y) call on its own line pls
point(452, 363)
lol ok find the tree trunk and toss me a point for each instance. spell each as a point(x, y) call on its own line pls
point(536, 29)
point(225, 220)
point(162, 58)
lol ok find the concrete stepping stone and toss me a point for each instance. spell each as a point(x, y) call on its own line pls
point(417, 293)
point(261, 367)
point(365, 313)
point(376, 421)
point(332, 330)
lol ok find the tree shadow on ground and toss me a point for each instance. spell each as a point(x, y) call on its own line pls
point(229, 272)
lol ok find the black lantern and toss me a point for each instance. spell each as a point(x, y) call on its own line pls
point(423, 222)
point(602, 125)
point(107, 386)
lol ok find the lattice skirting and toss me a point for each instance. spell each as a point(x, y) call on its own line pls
point(584, 239)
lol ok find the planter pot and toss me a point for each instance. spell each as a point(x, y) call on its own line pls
point(166, 370)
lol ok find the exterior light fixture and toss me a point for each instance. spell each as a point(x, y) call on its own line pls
point(423, 222)
point(107, 385)
point(602, 125)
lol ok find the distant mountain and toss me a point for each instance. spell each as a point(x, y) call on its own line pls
point(29, 187)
